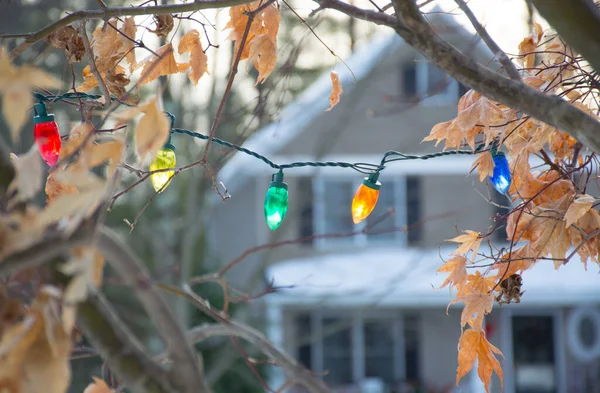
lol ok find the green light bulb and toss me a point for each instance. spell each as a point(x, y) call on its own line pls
point(276, 201)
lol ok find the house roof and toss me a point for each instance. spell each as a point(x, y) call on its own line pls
point(309, 104)
point(407, 278)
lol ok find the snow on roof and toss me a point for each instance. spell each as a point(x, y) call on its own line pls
point(311, 103)
point(407, 277)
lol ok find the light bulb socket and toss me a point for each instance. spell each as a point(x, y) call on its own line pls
point(497, 153)
point(277, 181)
point(41, 114)
point(372, 181)
point(169, 146)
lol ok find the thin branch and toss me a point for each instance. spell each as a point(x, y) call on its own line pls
point(547, 108)
point(118, 346)
point(106, 13)
point(509, 66)
point(94, 69)
point(187, 365)
point(295, 370)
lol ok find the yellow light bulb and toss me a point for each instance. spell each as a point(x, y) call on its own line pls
point(165, 158)
point(365, 198)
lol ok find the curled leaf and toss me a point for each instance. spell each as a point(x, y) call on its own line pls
point(68, 39)
point(336, 90)
point(263, 52)
point(190, 42)
point(164, 24)
point(580, 206)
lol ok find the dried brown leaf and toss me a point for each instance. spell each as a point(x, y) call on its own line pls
point(263, 52)
point(98, 386)
point(154, 66)
point(152, 131)
point(484, 164)
point(190, 42)
point(336, 90)
point(580, 206)
point(471, 346)
point(28, 178)
point(68, 39)
point(164, 24)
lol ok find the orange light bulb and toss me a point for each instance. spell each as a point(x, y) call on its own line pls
point(365, 198)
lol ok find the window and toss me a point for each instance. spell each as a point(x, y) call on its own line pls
point(351, 347)
point(413, 209)
point(333, 204)
point(533, 351)
point(421, 79)
point(305, 196)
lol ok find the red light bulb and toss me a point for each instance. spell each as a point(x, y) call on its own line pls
point(46, 134)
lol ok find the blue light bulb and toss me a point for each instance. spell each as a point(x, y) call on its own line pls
point(501, 177)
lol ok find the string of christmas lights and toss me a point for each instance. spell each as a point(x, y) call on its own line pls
point(47, 138)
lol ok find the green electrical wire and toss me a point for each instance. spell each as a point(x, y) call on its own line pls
point(362, 167)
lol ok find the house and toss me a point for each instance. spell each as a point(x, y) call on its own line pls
point(360, 301)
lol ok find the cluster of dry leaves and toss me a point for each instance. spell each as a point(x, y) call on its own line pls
point(36, 340)
point(553, 219)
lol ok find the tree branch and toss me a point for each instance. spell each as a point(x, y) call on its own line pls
point(117, 346)
point(578, 22)
point(509, 66)
point(106, 13)
point(295, 371)
point(187, 365)
point(94, 69)
point(547, 108)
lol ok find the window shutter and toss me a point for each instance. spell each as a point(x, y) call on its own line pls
point(306, 198)
point(413, 209)
point(409, 80)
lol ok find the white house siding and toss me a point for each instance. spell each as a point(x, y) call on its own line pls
point(439, 338)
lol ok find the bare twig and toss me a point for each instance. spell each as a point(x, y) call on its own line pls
point(94, 69)
point(106, 13)
point(509, 66)
point(187, 366)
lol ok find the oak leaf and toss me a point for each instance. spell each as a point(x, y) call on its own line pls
point(580, 206)
point(98, 386)
point(263, 52)
point(456, 267)
point(485, 165)
point(470, 240)
point(336, 90)
point(155, 66)
point(129, 29)
point(68, 39)
point(15, 87)
point(190, 42)
point(474, 346)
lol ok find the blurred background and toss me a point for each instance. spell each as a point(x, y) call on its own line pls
point(356, 301)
